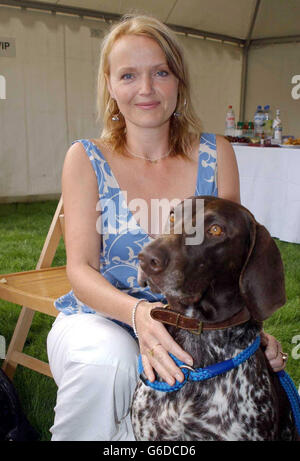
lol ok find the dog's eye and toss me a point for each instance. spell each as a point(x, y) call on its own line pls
point(172, 216)
point(215, 229)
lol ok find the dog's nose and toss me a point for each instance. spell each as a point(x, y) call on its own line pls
point(153, 260)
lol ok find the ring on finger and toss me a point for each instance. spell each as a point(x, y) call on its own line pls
point(151, 351)
point(284, 356)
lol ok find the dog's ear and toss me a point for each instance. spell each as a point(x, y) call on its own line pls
point(262, 277)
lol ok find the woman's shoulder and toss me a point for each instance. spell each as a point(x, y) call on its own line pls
point(76, 150)
point(83, 144)
point(224, 146)
point(77, 169)
point(86, 147)
point(77, 155)
point(215, 141)
point(208, 142)
point(206, 137)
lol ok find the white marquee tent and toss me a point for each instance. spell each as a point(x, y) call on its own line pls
point(240, 52)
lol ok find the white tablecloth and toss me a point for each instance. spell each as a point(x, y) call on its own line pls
point(270, 188)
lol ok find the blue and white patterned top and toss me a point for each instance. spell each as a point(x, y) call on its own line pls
point(122, 237)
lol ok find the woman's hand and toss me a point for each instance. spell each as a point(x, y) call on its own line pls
point(273, 351)
point(155, 343)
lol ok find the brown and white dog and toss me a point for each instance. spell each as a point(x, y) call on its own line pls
point(229, 283)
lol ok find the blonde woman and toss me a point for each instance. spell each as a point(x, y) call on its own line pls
point(151, 149)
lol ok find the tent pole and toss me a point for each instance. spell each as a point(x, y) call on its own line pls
point(243, 84)
point(245, 62)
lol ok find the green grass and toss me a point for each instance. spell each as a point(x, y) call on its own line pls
point(23, 228)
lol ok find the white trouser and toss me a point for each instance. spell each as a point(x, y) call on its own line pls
point(94, 364)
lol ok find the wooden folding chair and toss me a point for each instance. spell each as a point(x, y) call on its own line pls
point(35, 290)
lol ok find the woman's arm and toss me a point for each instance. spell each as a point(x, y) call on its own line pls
point(227, 173)
point(80, 196)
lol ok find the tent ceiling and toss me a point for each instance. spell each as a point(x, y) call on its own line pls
point(275, 18)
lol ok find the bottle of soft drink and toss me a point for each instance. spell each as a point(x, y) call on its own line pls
point(230, 122)
point(250, 132)
point(268, 123)
point(259, 120)
point(239, 130)
point(277, 129)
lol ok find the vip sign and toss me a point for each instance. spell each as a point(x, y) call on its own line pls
point(7, 47)
point(296, 88)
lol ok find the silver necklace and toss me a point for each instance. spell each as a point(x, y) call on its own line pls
point(146, 158)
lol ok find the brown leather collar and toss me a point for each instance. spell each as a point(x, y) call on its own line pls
point(176, 319)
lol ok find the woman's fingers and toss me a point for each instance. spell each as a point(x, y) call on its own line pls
point(155, 345)
point(167, 371)
point(273, 352)
point(164, 365)
point(182, 355)
point(148, 370)
point(158, 357)
point(168, 344)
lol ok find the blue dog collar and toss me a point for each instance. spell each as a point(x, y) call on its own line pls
point(200, 374)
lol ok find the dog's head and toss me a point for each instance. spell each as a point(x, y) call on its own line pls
point(215, 259)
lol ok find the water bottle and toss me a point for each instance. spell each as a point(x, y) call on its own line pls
point(277, 129)
point(239, 130)
point(268, 123)
point(259, 120)
point(230, 122)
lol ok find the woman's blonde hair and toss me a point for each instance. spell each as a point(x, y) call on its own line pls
point(184, 128)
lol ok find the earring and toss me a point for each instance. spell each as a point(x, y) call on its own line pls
point(115, 118)
point(178, 114)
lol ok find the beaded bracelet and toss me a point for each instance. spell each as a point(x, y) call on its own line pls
point(133, 316)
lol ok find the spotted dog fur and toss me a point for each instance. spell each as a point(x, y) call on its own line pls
point(246, 403)
point(242, 405)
